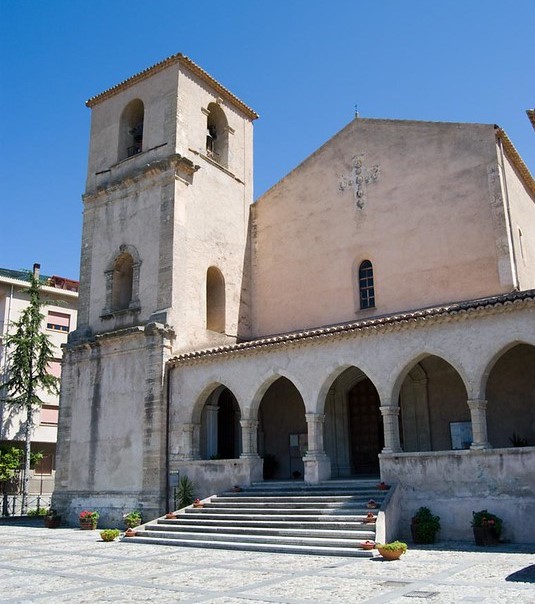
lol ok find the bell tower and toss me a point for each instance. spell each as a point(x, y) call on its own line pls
point(166, 210)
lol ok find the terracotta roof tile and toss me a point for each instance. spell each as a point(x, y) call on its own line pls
point(187, 62)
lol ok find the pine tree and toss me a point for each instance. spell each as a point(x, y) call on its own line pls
point(29, 352)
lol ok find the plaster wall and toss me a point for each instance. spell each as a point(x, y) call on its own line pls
point(522, 216)
point(500, 481)
point(428, 185)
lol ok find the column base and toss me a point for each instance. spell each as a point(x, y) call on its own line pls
point(317, 467)
point(479, 446)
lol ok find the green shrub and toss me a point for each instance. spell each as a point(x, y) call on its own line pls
point(37, 512)
point(109, 534)
point(393, 546)
point(184, 492)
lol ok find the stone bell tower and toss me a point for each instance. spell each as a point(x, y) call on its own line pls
point(166, 207)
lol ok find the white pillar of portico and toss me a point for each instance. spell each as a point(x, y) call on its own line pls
point(191, 441)
point(211, 429)
point(249, 436)
point(390, 415)
point(316, 461)
point(478, 415)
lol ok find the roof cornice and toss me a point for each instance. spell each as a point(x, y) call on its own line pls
point(172, 60)
point(516, 160)
point(446, 312)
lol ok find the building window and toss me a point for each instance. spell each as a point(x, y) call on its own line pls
point(57, 321)
point(366, 287)
point(49, 415)
point(131, 130)
point(54, 368)
point(215, 300)
point(217, 132)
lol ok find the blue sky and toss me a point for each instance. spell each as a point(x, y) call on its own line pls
point(302, 64)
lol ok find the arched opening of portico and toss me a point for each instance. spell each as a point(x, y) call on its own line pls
point(220, 426)
point(354, 434)
point(282, 431)
point(510, 395)
point(434, 411)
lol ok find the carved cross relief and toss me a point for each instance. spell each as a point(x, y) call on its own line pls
point(360, 178)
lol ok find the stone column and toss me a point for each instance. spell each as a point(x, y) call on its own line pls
point(390, 415)
point(249, 437)
point(316, 461)
point(191, 441)
point(211, 429)
point(478, 415)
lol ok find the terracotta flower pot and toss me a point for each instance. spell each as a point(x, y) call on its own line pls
point(390, 554)
point(88, 525)
point(367, 545)
point(485, 535)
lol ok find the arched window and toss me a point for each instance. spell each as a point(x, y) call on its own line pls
point(215, 300)
point(366, 287)
point(217, 134)
point(122, 282)
point(123, 276)
point(131, 129)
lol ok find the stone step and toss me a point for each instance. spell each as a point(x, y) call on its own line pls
point(256, 538)
point(317, 511)
point(278, 517)
point(184, 520)
point(232, 529)
point(256, 547)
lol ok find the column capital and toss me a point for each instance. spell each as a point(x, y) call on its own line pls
point(477, 403)
point(249, 424)
point(189, 427)
point(315, 417)
point(389, 410)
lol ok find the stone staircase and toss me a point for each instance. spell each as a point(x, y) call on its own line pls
point(327, 518)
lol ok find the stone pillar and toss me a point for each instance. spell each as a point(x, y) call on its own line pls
point(390, 415)
point(191, 441)
point(249, 436)
point(478, 415)
point(211, 430)
point(316, 461)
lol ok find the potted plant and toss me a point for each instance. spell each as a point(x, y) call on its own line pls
point(88, 520)
point(132, 519)
point(424, 526)
point(52, 518)
point(198, 503)
point(184, 493)
point(391, 551)
point(109, 534)
point(487, 528)
point(367, 545)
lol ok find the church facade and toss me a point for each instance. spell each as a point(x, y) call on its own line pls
point(373, 314)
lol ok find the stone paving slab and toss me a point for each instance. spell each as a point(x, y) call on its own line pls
point(44, 566)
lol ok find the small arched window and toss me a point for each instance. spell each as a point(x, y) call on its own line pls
point(366, 287)
point(215, 300)
point(123, 276)
point(131, 129)
point(217, 134)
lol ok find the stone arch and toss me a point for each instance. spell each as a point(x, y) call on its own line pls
point(265, 382)
point(282, 429)
point(432, 396)
point(353, 427)
point(496, 355)
point(217, 412)
point(122, 280)
point(402, 369)
point(131, 126)
point(217, 135)
point(215, 300)
point(510, 395)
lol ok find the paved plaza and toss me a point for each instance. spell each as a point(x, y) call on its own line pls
point(69, 565)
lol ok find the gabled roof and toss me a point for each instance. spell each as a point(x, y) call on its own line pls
point(172, 60)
